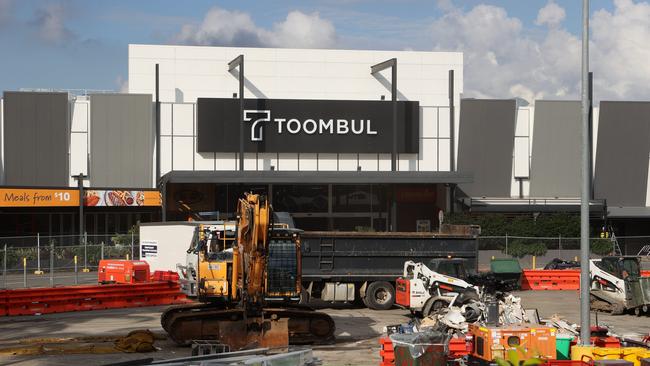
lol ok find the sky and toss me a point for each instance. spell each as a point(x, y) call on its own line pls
point(512, 48)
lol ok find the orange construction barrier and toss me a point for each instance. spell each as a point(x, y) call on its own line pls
point(645, 273)
point(386, 352)
point(36, 301)
point(553, 279)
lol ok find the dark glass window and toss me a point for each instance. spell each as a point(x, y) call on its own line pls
point(300, 198)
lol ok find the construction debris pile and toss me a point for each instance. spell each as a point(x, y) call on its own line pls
point(480, 322)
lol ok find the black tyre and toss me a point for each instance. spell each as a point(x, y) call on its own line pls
point(433, 306)
point(380, 296)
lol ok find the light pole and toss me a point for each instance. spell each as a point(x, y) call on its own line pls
point(585, 324)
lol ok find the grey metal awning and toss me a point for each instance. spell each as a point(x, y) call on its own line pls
point(532, 204)
point(315, 177)
point(628, 212)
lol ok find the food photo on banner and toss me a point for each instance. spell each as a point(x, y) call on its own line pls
point(121, 198)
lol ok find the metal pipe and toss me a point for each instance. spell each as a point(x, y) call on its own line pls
point(393, 93)
point(452, 126)
point(585, 331)
point(591, 135)
point(25, 272)
point(76, 271)
point(38, 253)
point(158, 170)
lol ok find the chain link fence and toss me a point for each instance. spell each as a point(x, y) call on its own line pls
point(64, 259)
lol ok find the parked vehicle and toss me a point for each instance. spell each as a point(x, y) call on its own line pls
point(362, 266)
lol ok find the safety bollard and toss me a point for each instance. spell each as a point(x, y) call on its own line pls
point(127, 256)
point(52, 264)
point(4, 268)
point(24, 272)
point(534, 262)
point(76, 272)
point(38, 255)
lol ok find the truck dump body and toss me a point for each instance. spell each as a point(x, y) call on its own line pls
point(365, 256)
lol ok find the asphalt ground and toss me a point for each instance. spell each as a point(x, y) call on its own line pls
point(358, 330)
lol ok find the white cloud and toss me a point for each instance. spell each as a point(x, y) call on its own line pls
point(551, 14)
point(222, 27)
point(50, 23)
point(503, 59)
point(300, 30)
point(122, 84)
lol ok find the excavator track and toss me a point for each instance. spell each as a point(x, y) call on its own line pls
point(268, 327)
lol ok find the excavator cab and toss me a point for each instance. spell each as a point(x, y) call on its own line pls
point(214, 252)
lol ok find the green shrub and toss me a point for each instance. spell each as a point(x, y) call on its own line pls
point(520, 249)
point(602, 247)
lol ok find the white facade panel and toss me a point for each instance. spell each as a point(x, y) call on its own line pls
point(522, 126)
point(226, 161)
point(165, 154)
point(308, 162)
point(78, 154)
point(368, 162)
point(522, 158)
point(288, 162)
point(183, 151)
point(203, 161)
point(326, 162)
point(430, 127)
point(443, 122)
point(407, 162)
point(165, 119)
point(428, 155)
point(443, 150)
point(80, 116)
point(183, 119)
point(348, 162)
point(384, 162)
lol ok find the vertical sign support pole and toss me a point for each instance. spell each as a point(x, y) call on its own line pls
point(239, 62)
point(452, 124)
point(585, 331)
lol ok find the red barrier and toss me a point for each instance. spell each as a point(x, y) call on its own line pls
point(386, 352)
point(550, 279)
point(36, 301)
point(645, 273)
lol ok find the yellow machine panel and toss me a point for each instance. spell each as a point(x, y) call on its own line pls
point(214, 275)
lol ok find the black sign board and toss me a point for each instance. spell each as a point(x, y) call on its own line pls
point(307, 126)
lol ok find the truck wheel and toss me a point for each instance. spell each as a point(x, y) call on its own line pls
point(380, 296)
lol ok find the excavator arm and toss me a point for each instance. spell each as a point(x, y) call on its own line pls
point(250, 258)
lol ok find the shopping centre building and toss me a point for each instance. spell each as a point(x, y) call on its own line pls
point(341, 139)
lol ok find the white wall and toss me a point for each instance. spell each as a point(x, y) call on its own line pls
point(187, 73)
point(79, 138)
point(523, 149)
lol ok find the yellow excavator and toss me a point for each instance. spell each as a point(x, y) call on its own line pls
point(248, 285)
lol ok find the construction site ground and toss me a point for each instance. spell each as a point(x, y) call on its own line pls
point(358, 330)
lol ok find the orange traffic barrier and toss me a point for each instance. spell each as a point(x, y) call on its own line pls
point(36, 301)
point(386, 352)
point(560, 279)
point(645, 273)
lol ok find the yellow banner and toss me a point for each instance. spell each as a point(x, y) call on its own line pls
point(34, 197)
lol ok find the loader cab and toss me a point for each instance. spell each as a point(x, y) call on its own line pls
point(452, 267)
point(627, 268)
